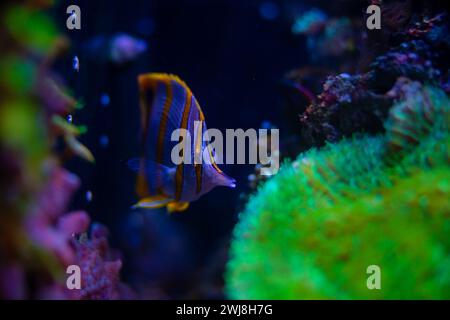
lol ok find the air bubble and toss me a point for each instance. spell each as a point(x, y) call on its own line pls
point(105, 100)
point(89, 196)
point(104, 140)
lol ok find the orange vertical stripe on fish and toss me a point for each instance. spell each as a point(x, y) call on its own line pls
point(198, 152)
point(183, 125)
point(145, 84)
point(162, 130)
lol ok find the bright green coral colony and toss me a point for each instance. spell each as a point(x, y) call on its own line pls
point(311, 231)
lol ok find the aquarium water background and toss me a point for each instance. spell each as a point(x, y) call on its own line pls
point(250, 64)
point(221, 49)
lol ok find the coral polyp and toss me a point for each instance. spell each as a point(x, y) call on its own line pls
point(423, 111)
point(333, 212)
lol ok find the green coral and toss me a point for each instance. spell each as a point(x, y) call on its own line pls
point(30, 27)
point(312, 230)
point(423, 113)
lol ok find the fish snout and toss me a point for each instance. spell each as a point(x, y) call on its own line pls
point(227, 181)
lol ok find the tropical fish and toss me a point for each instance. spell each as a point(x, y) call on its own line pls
point(168, 104)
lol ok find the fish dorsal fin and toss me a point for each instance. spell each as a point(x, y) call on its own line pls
point(163, 98)
point(167, 104)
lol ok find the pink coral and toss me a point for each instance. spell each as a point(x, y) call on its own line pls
point(100, 267)
point(51, 229)
point(47, 226)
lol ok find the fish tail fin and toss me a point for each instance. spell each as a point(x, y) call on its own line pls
point(150, 168)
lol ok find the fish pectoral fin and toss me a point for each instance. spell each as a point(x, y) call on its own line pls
point(176, 206)
point(149, 166)
point(154, 202)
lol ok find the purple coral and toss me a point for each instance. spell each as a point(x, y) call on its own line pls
point(360, 103)
point(37, 235)
point(409, 61)
point(47, 225)
point(344, 107)
point(100, 267)
point(50, 229)
point(54, 231)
